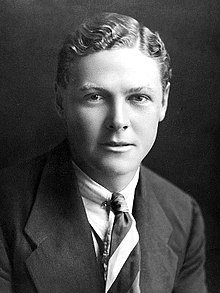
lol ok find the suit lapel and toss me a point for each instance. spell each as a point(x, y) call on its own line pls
point(158, 261)
point(64, 259)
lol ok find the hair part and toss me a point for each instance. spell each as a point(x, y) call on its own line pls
point(110, 31)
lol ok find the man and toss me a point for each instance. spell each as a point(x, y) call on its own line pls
point(87, 217)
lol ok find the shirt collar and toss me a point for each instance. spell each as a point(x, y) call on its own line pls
point(96, 193)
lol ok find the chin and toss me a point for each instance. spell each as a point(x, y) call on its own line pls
point(117, 168)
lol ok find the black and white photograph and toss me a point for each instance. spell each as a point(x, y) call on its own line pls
point(110, 146)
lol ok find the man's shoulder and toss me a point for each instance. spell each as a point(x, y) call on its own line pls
point(22, 171)
point(163, 187)
point(18, 171)
point(176, 204)
point(17, 186)
point(19, 182)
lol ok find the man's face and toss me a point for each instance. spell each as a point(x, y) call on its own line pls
point(112, 107)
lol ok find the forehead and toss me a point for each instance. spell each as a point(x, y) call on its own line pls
point(124, 67)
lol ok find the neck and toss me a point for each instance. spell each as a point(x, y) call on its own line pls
point(114, 182)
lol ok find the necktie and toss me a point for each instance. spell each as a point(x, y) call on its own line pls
point(123, 271)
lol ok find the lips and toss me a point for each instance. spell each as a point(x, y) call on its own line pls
point(117, 147)
point(117, 143)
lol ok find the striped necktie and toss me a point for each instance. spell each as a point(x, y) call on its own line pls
point(123, 271)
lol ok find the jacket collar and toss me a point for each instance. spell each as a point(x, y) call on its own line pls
point(158, 261)
point(59, 228)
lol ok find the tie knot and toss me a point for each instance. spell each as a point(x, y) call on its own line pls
point(118, 203)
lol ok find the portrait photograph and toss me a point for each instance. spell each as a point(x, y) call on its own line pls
point(110, 146)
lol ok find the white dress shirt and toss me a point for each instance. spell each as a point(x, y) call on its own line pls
point(94, 195)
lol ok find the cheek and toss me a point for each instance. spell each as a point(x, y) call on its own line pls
point(147, 121)
point(84, 125)
point(148, 133)
point(146, 128)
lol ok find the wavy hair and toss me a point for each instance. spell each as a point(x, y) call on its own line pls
point(109, 31)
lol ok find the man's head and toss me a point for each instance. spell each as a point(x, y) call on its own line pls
point(112, 91)
point(110, 31)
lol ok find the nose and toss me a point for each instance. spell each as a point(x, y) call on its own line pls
point(118, 116)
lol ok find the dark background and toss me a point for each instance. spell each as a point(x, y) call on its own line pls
point(187, 148)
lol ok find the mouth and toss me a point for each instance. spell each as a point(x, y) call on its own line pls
point(117, 146)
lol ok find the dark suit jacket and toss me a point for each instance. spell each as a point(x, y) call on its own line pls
point(45, 238)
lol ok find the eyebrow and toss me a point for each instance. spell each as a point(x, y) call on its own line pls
point(89, 86)
point(139, 89)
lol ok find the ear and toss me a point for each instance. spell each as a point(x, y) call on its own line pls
point(164, 102)
point(59, 100)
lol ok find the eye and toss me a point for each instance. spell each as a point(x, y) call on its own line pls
point(139, 98)
point(94, 98)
